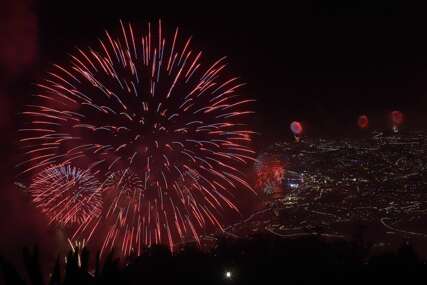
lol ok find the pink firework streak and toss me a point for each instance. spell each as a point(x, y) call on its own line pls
point(168, 135)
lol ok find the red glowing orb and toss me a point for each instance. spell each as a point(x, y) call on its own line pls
point(296, 128)
point(363, 122)
point(397, 118)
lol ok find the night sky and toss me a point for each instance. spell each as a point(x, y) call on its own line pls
point(323, 66)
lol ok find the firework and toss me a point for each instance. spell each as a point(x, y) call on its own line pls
point(67, 195)
point(124, 195)
point(296, 128)
point(147, 112)
point(270, 173)
point(397, 120)
point(363, 121)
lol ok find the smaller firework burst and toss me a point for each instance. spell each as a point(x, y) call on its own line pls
point(125, 181)
point(123, 193)
point(66, 194)
point(270, 173)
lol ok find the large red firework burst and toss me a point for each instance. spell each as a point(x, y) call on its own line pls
point(148, 114)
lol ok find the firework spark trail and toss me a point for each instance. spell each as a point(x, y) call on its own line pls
point(142, 111)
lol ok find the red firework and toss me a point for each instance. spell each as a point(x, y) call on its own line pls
point(363, 121)
point(149, 110)
point(270, 172)
point(397, 118)
point(67, 195)
point(296, 128)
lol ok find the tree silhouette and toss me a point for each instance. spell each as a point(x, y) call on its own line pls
point(260, 259)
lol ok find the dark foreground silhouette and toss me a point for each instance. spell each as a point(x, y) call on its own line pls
point(260, 260)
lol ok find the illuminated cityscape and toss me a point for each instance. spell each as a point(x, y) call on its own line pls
point(331, 185)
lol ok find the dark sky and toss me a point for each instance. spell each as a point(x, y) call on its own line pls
point(321, 65)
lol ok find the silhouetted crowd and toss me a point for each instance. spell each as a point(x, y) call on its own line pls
point(258, 260)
